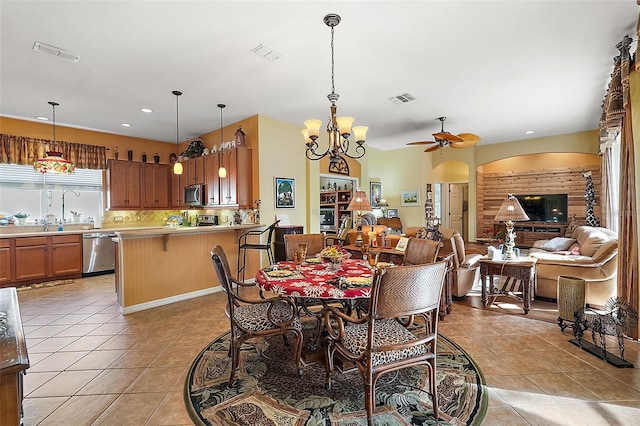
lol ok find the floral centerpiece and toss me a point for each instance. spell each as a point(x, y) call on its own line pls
point(22, 217)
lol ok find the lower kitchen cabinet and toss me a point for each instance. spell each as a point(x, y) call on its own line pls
point(38, 259)
point(6, 265)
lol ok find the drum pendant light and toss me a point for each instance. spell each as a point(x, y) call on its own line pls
point(177, 166)
point(222, 172)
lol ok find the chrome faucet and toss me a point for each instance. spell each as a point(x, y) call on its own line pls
point(45, 225)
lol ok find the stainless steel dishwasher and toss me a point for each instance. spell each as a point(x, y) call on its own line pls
point(98, 253)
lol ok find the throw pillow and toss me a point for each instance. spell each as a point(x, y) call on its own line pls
point(558, 244)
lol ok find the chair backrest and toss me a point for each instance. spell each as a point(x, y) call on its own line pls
point(345, 225)
point(453, 243)
point(407, 290)
point(315, 243)
point(420, 251)
point(369, 219)
point(221, 265)
point(271, 229)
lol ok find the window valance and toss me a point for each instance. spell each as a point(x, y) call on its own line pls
point(25, 151)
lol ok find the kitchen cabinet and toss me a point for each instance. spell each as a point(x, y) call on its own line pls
point(211, 179)
point(155, 185)
point(6, 265)
point(38, 259)
point(236, 188)
point(124, 184)
point(194, 168)
point(177, 190)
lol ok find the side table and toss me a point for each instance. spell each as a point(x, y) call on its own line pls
point(519, 272)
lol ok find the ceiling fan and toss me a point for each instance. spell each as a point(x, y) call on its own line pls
point(443, 139)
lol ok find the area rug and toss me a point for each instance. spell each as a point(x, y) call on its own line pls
point(268, 390)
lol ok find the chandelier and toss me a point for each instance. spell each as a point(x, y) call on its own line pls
point(338, 129)
point(54, 162)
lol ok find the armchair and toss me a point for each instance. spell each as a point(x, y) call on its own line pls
point(465, 267)
point(339, 238)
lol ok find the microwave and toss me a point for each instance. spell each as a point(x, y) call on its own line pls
point(194, 195)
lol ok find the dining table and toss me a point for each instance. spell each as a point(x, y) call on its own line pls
point(316, 283)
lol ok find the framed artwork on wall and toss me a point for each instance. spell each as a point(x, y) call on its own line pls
point(410, 197)
point(375, 193)
point(392, 213)
point(285, 192)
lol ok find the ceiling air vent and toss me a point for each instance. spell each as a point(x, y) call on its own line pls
point(402, 99)
point(55, 51)
point(266, 52)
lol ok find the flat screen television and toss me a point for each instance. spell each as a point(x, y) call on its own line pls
point(545, 207)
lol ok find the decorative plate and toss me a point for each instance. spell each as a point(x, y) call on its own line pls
point(175, 218)
point(359, 280)
point(313, 260)
point(280, 273)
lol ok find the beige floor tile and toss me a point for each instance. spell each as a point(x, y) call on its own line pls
point(86, 343)
point(67, 383)
point(80, 410)
point(52, 344)
point(57, 361)
point(171, 411)
point(37, 409)
point(155, 380)
point(503, 415)
point(33, 381)
point(111, 381)
point(77, 330)
point(47, 331)
point(97, 360)
point(131, 409)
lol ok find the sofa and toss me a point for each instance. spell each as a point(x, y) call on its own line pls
point(590, 253)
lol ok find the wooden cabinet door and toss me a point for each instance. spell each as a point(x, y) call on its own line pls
point(244, 183)
point(155, 185)
point(6, 265)
point(228, 184)
point(177, 190)
point(124, 184)
point(66, 255)
point(32, 258)
point(195, 170)
point(211, 179)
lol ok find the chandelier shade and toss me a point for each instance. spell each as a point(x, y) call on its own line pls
point(54, 162)
point(339, 129)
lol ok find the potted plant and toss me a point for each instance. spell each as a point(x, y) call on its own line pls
point(194, 149)
point(77, 217)
point(22, 218)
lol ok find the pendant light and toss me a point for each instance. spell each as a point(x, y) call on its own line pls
point(177, 166)
point(54, 162)
point(222, 172)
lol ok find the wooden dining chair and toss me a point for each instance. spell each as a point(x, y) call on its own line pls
point(420, 251)
point(380, 341)
point(315, 244)
point(251, 318)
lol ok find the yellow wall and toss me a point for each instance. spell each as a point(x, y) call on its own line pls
point(541, 162)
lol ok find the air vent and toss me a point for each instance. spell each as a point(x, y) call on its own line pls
point(402, 99)
point(55, 51)
point(266, 52)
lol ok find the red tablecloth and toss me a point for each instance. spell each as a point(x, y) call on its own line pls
point(317, 280)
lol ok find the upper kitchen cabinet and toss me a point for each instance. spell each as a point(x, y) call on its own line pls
point(124, 184)
point(236, 187)
point(194, 171)
point(211, 179)
point(177, 189)
point(155, 185)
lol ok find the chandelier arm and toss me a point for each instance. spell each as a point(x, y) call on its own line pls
point(361, 149)
point(313, 155)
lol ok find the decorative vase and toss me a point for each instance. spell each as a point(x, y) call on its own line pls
point(77, 218)
point(22, 221)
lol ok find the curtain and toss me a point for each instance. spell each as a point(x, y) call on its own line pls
point(616, 118)
point(608, 188)
point(25, 150)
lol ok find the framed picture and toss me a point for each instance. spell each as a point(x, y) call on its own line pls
point(285, 191)
point(402, 244)
point(410, 197)
point(375, 193)
point(392, 213)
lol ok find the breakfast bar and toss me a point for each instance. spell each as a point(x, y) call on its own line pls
point(158, 266)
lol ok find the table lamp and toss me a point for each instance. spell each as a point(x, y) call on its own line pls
point(359, 202)
point(510, 211)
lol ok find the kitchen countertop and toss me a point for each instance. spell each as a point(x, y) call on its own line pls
point(133, 232)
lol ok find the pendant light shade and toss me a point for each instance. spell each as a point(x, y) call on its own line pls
point(222, 171)
point(177, 166)
point(54, 162)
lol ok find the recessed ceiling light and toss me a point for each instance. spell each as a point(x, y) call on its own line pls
point(147, 110)
point(40, 117)
point(125, 124)
point(529, 132)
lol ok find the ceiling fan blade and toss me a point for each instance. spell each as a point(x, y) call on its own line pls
point(433, 148)
point(446, 136)
point(470, 138)
point(421, 143)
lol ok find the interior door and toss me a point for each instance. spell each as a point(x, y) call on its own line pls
point(456, 210)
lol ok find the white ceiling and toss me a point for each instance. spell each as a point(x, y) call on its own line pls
point(494, 68)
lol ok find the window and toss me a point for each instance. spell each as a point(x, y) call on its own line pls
point(24, 190)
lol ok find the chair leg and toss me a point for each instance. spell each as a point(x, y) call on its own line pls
point(433, 387)
point(369, 396)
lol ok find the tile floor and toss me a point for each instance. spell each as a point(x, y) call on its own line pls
point(90, 365)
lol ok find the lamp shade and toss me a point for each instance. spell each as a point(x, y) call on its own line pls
point(54, 162)
point(511, 210)
point(359, 202)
